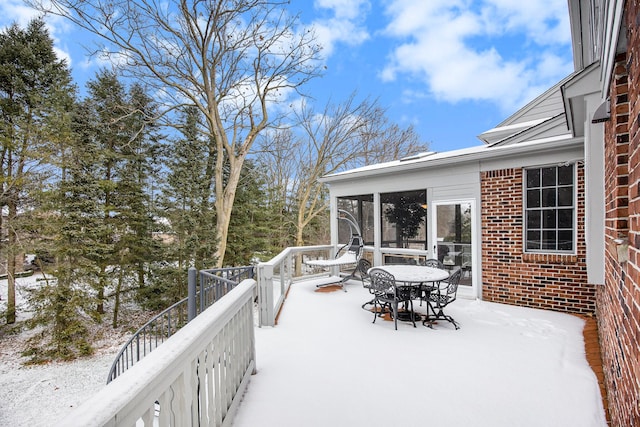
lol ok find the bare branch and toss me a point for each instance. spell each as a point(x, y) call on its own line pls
point(232, 59)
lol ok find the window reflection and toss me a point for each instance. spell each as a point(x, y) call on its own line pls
point(361, 207)
point(403, 219)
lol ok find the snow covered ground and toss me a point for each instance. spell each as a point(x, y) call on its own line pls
point(38, 395)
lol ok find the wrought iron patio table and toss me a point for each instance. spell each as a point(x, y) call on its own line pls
point(414, 276)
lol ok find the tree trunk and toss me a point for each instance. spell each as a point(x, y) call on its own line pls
point(140, 274)
point(11, 263)
point(225, 196)
point(223, 218)
point(11, 288)
point(299, 242)
point(101, 287)
point(116, 305)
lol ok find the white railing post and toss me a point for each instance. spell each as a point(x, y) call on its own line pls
point(265, 295)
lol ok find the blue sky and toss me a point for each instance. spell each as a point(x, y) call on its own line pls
point(452, 68)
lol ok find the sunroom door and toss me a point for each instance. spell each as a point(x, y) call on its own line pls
point(453, 231)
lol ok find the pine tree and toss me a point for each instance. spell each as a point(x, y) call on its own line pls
point(69, 224)
point(36, 95)
point(135, 248)
point(249, 228)
point(188, 195)
point(187, 208)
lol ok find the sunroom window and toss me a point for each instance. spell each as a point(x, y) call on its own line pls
point(361, 208)
point(550, 209)
point(404, 216)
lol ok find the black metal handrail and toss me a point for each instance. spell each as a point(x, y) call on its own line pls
point(214, 284)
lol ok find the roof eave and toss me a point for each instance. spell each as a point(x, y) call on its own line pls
point(488, 153)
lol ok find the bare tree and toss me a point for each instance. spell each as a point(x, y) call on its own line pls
point(231, 59)
point(340, 137)
point(279, 169)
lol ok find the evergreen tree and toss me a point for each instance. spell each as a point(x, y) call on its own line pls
point(135, 247)
point(187, 208)
point(249, 228)
point(62, 304)
point(118, 125)
point(186, 197)
point(36, 95)
point(70, 221)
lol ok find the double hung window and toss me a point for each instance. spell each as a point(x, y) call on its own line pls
point(550, 209)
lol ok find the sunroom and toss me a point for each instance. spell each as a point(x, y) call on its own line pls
point(508, 213)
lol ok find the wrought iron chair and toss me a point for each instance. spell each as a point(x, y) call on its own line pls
point(432, 262)
point(441, 297)
point(425, 289)
point(363, 271)
point(387, 294)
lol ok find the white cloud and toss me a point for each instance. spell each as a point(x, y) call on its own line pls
point(346, 25)
point(15, 11)
point(343, 9)
point(464, 53)
point(544, 22)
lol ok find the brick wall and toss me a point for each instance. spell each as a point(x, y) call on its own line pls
point(619, 299)
point(547, 281)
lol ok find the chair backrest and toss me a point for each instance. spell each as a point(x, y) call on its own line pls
point(356, 244)
point(453, 282)
point(382, 282)
point(432, 262)
point(363, 268)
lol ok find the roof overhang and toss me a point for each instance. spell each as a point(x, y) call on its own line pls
point(457, 158)
point(615, 41)
point(583, 83)
point(534, 133)
point(501, 132)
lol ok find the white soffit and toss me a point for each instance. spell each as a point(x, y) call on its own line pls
point(584, 83)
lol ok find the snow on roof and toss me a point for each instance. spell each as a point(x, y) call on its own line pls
point(501, 132)
point(447, 158)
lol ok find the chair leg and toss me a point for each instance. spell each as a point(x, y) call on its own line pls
point(450, 319)
point(413, 315)
point(375, 313)
point(429, 318)
point(395, 314)
point(439, 316)
point(366, 304)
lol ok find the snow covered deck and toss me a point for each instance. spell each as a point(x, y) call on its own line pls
point(325, 363)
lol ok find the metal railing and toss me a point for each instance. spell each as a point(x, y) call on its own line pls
point(213, 285)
